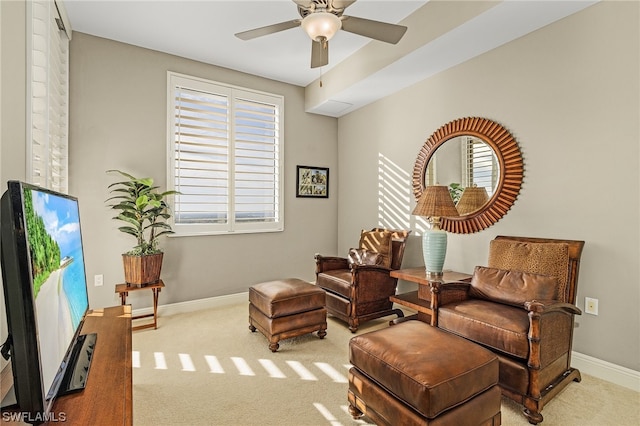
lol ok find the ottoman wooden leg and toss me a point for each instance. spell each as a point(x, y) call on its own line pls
point(355, 413)
point(322, 332)
point(273, 346)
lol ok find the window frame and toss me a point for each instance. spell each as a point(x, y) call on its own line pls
point(232, 93)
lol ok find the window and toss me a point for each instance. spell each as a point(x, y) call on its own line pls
point(47, 94)
point(225, 159)
point(480, 164)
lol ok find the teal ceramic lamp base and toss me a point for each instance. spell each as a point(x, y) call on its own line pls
point(434, 249)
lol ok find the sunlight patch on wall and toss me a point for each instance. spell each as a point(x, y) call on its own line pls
point(394, 195)
point(420, 224)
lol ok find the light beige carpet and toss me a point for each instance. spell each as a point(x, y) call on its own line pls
point(207, 368)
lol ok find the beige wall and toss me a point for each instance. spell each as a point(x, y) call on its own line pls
point(118, 120)
point(569, 93)
point(12, 107)
point(13, 86)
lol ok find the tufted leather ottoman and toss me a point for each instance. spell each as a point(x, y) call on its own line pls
point(412, 373)
point(287, 308)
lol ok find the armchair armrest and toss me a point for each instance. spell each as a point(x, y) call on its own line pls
point(372, 283)
point(374, 274)
point(445, 293)
point(548, 306)
point(550, 330)
point(329, 263)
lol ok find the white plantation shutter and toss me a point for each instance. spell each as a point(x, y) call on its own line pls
point(201, 147)
point(47, 98)
point(481, 166)
point(224, 157)
point(257, 161)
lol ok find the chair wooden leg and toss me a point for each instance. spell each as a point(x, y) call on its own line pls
point(533, 407)
point(534, 417)
point(354, 323)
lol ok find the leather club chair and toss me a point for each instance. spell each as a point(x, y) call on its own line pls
point(521, 307)
point(359, 291)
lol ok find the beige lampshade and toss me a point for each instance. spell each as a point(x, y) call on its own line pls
point(435, 201)
point(473, 197)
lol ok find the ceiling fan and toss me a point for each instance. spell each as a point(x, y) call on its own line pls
point(321, 19)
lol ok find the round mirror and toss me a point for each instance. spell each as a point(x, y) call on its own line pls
point(468, 167)
point(480, 162)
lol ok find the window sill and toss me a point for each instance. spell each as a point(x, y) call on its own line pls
point(210, 233)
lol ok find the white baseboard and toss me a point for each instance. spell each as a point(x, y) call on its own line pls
point(196, 305)
point(589, 365)
point(606, 371)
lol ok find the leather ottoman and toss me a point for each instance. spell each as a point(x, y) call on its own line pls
point(415, 374)
point(287, 308)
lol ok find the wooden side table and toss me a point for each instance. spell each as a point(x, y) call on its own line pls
point(124, 289)
point(420, 300)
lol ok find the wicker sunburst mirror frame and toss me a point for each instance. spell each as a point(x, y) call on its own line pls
point(510, 163)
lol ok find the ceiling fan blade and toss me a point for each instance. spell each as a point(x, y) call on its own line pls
point(319, 53)
point(269, 29)
point(389, 33)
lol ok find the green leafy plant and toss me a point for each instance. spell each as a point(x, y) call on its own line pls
point(455, 189)
point(143, 208)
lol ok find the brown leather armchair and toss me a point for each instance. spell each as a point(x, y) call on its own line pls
point(522, 308)
point(360, 292)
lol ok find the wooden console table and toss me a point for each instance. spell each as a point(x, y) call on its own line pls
point(124, 289)
point(107, 397)
point(420, 300)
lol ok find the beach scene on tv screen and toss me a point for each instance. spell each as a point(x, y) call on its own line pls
point(59, 281)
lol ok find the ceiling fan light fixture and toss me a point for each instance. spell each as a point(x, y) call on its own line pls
point(321, 25)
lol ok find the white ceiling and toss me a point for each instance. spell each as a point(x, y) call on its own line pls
point(204, 31)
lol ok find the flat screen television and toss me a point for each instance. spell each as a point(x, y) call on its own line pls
point(45, 292)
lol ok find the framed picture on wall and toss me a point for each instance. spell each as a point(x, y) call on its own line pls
point(312, 182)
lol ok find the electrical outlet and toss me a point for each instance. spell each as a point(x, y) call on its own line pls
point(98, 280)
point(591, 306)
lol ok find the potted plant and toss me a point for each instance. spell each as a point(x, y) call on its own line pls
point(145, 212)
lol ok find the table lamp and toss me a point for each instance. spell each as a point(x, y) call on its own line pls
point(473, 197)
point(434, 203)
